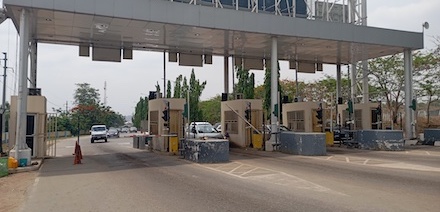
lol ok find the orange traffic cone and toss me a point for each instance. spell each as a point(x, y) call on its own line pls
point(77, 159)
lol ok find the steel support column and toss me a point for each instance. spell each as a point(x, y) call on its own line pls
point(409, 120)
point(226, 73)
point(21, 149)
point(33, 76)
point(274, 84)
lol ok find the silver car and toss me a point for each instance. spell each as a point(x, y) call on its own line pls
point(203, 130)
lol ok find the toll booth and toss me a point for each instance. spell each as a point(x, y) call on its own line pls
point(166, 131)
point(303, 116)
point(233, 116)
point(35, 125)
point(366, 116)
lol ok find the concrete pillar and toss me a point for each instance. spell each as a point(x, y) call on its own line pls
point(21, 150)
point(274, 84)
point(409, 120)
point(365, 92)
point(33, 76)
point(226, 73)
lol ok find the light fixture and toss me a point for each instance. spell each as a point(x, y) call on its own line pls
point(425, 25)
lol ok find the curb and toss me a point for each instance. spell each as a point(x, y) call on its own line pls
point(27, 168)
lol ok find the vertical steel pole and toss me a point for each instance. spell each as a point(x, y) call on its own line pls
point(33, 75)
point(164, 77)
point(3, 108)
point(407, 57)
point(226, 73)
point(20, 141)
point(274, 84)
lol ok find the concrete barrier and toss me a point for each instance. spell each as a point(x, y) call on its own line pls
point(388, 140)
point(206, 151)
point(431, 136)
point(311, 144)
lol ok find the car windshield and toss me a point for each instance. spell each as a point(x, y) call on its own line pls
point(98, 128)
point(205, 128)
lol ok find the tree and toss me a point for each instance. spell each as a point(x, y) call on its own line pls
point(178, 87)
point(267, 90)
point(169, 89)
point(195, 91)
point(86, 95)
point(141, 112)
point(388, 76)
point(211, 109)
point(88, 110)
point(427, 78)
point(246, 83)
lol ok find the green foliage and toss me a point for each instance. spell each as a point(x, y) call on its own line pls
point(178, 87)
point(211, 109)
point(246, 83)
point(267, 89)
point(86, 95)
point(141, 112)
point(195, 91)
point(388, 76)
point(169, 89)
point(88, 111)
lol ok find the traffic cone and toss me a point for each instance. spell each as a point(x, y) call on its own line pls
point(77, 159)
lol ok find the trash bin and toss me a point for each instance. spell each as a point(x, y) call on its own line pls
point(3, 167)
point(174, 144)
point(23, 162)
point(141, 142)
point(135, 142)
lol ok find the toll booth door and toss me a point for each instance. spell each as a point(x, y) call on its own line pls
point(30, 132)
point(176, 121)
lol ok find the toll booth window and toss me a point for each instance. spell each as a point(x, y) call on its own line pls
point(295, 121)
point(231, 122)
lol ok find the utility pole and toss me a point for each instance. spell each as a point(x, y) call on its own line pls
point(105, 93)
point(3, 108)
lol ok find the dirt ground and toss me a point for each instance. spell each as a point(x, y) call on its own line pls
point(14, 189)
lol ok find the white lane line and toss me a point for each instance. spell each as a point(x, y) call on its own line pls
point(428, 153)
point(329, 158)
point(347, 159)
point(247, 172)
point(366, 161)
point(235, 168)
point(406, 152)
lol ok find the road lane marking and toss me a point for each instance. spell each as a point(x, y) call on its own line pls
point(329, 158)
point(366, 161)
point(347, 159)
point(125, 143)
point(265, 175)
point(236, 168)
point(428, 153)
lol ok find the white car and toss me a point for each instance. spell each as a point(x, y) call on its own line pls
point(202, 130)
point(98, 132)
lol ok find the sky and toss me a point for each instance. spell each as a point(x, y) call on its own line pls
point(60, 68)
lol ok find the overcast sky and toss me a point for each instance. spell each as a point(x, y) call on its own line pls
point(60, 67)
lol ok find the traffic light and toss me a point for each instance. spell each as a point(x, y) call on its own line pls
point(413, 105)
point(319, 114)
point(247, 112)
point(275, 112)
point(350, 106)
point(166, 112)
point(185, 110)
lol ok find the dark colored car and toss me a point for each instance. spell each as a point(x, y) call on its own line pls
point(113, 132)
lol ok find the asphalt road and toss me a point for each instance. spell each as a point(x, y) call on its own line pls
point(116, 177)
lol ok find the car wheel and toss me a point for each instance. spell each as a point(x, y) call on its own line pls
point(92, 141)
point(105, 140)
